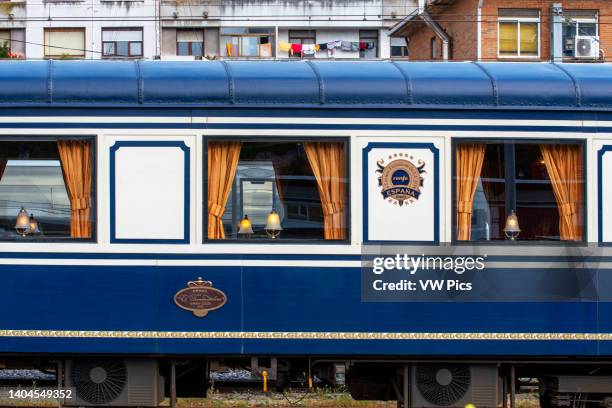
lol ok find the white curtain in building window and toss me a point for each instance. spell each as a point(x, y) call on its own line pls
point(65, 41)
point(122, 35)
point(190, 36)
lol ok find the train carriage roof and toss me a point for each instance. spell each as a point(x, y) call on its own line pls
point(307, 84)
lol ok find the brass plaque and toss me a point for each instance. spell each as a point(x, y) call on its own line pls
point(199, 297)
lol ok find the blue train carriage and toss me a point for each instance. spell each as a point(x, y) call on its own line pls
point(434, 234)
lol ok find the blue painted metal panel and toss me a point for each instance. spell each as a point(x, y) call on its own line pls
point(431, 84)
point(24, 84)
point(363, 83)
point(188, 82)
point(92, 82)
point(535, 85)
point(280, 83)
point(269, 299)
point(307, 84)
point(594, 82)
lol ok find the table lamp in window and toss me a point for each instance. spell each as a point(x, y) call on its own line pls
point(22, 225)
point(512, 229)
point(33, 223)
point(246, 229)
point(273, 225)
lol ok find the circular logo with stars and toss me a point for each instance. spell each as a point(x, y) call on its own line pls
point(400, 180)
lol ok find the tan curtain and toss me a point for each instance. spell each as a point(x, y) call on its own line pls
point(222, 164)
point(564, 166)
point(75, 157)
point(328, 164)
point(468, 161)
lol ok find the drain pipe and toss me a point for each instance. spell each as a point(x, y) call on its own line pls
point(479, 29)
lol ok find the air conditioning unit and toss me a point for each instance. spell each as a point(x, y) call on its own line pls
point(454, 385)
point(586, 46)
point(114, 382)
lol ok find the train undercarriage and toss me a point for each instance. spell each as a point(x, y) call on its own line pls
point(119, 381)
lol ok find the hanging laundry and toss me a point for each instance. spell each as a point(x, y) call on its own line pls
point(308, 50)
point(296, 49)
point(317, 47)
point(362, 45)
point(323, 46)
point(355, 46)
point(228, 47)
point(265, 50)
point(370, 45)
point(345, 45)
point(284, 46)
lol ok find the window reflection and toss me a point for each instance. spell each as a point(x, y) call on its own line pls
point(305, 183)
point(542, 183)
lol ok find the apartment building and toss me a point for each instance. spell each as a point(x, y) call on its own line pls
point(192, 29)
point(508, 30)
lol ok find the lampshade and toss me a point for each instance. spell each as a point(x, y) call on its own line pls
point(512, 229)
point(22, 225)
point(273, 225)
point(33, 225)
point(245, 226)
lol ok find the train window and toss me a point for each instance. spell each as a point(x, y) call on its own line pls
point(46, 190)
point(537, 187)
point(277, 190)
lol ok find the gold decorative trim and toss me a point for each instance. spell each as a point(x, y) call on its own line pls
point(87, 334)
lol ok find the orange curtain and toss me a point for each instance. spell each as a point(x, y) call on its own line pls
point(468, 161)
point(564, 166)
point(328, 164)
point(75, 157)
point(222, 164)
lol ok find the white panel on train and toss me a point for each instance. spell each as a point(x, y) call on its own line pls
point(402, 192)
point(151, 191)
point(604, 154)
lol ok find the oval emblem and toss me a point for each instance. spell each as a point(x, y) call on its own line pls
point(199, 297)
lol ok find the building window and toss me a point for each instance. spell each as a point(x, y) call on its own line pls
point(253, 42)
point(47, 189)
point(64, 42)
point(433, 48)
point(277, 190)
point(577, 23)
point(5, 43)
point(519, 33)
point(121, 42)
point(542, 183)
point(301, 38)
point(190, 42)
point(399, 47)
point(368, 43)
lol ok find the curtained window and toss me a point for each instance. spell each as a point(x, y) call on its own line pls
point(542, 182)
point(519, 33)
point(304, 182)
point(52, 181)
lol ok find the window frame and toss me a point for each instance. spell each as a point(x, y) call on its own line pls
point(130, 55)
point(64, 29)
point(514, 140)
point(190, 54)
point(10, 39)
point(93, 139)
point(576, 21)
point(294, 39)
point(363, 36)
point(240, 36)
point(518, 21)
point(274, 139)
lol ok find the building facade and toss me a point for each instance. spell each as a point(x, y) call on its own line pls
point(514, 30)
point(192, 29)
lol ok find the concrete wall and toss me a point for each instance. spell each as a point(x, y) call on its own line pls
point(333, 20)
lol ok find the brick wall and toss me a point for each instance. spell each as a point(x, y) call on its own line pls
point(452, 20)
point(459, 22)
